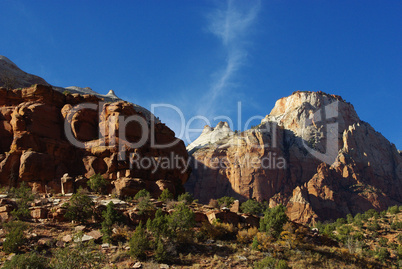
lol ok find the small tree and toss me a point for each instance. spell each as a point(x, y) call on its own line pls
point(273, 220)
point(97, 183)
point(110, 216)
point(80, 207)
point(182, 219)
point(139, 243)
point(185, 197)
point(165, 196)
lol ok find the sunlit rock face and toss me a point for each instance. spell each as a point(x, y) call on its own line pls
point(311, 153)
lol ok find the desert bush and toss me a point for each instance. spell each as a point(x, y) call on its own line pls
point(271, 262)
point(80, 207)
point(27, 260)
point(97, 183)
point(144, 204)
point(15, 237)
point(165, 196)
point(139, 243)
point(142, 193)
point(273, 220)
point(213, 203)
point(185, 197)
point(23, 195)
point(246, 236)
point(110, 216)
point(252, 207)
point(264, 241)
point(81, 255)
point(383, 254)
point(217, 230)
point(226, 201)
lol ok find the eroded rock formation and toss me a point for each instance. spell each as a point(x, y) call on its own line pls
point(35, 147)
point(311, 153)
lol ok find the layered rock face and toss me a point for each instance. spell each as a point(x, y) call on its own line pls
point(36, 147)
point(311, 153)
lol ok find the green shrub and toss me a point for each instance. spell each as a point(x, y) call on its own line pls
point(110, 216)
point(226, 201)
point(97, 183)
point(27, 260)
point(142, 193)
point(273, 220)
point(82, 255)
point(186, 197)
point(271, 262)
point(252, 207)
point(80, 207)
point(139, 243)
point(393, 210)
point(254, 245)
point(23, 196)
point(15, 237)
point(165, 196)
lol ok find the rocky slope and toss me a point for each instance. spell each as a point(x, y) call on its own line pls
point(311, 153)
point(35, 147)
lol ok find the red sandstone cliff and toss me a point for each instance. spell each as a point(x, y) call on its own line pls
point(35, 149)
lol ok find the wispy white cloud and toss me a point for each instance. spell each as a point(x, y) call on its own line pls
point(230, 23)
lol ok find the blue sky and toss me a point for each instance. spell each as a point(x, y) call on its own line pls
point(205, 56)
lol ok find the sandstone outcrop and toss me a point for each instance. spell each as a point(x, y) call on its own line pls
point(35, 147)
point(311, 153)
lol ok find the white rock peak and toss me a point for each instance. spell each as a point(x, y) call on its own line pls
point(211, 135)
